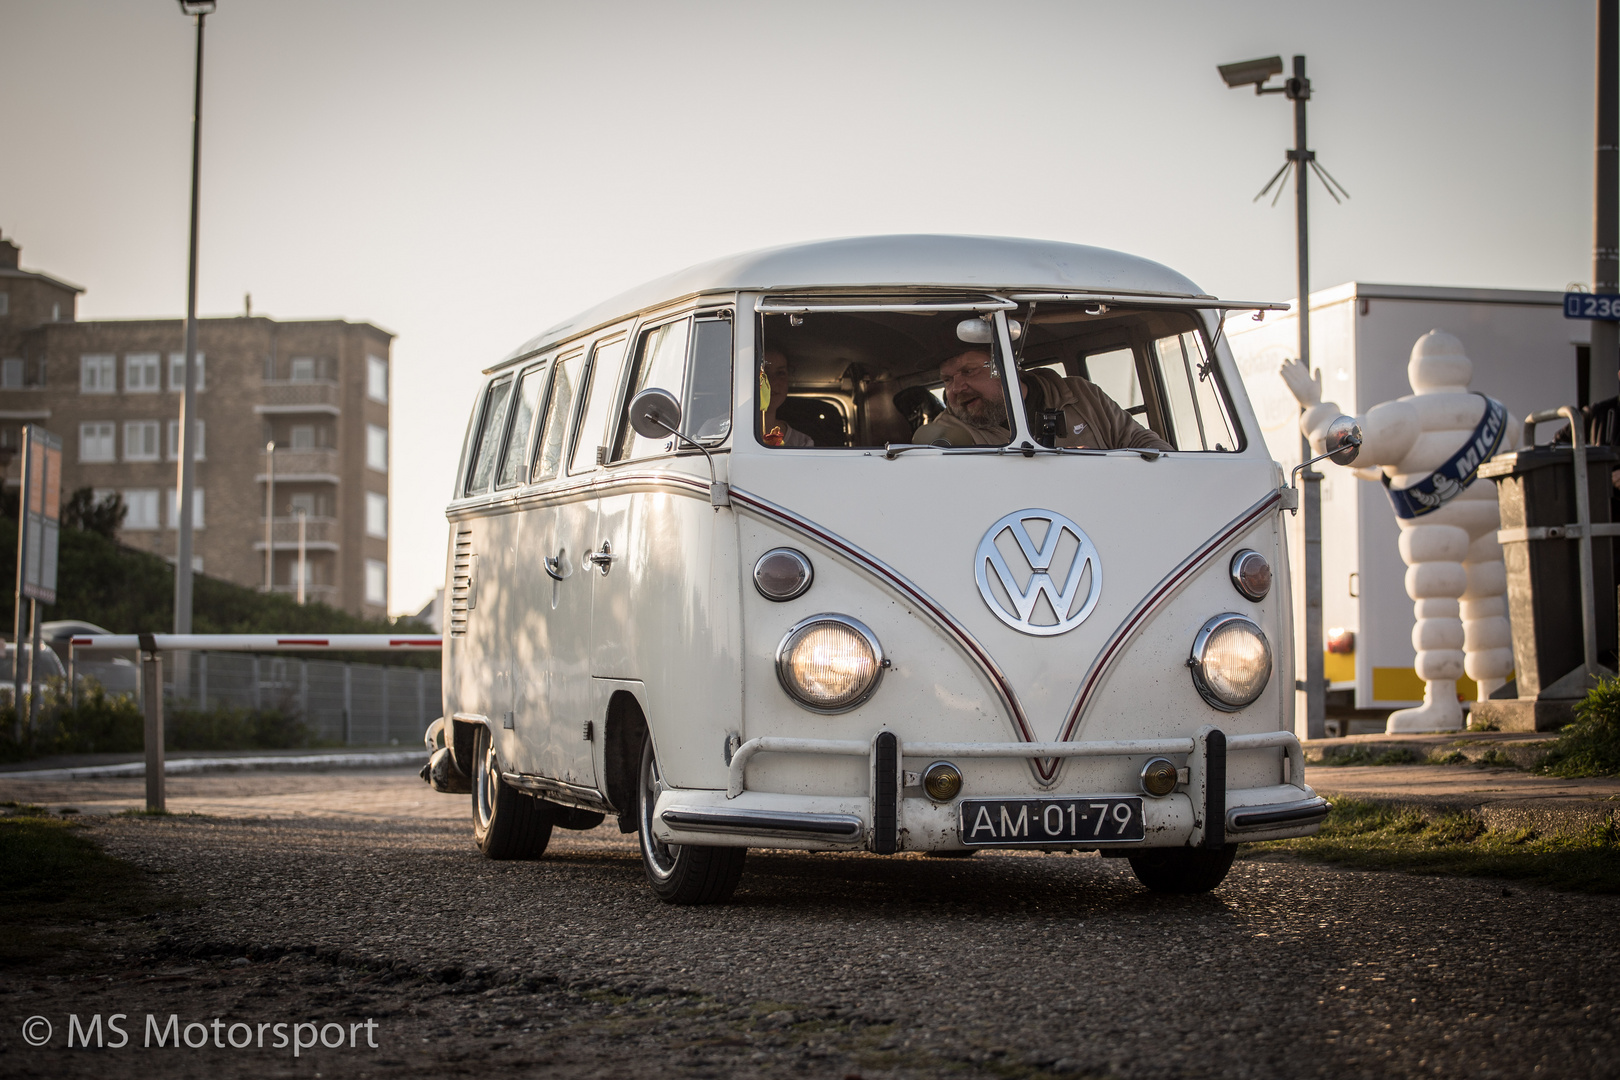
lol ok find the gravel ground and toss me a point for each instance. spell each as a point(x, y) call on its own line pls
point(1003, 965)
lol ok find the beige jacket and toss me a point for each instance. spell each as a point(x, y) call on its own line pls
point(1091, 419)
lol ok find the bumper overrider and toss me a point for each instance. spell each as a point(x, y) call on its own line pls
point(896, 815)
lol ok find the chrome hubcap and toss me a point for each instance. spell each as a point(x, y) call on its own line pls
point(660, 856)
point(484, 781)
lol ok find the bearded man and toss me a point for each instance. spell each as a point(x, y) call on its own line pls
point(976, 409)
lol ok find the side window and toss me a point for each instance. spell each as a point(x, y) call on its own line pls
point(661, 362)
point(559, 407)
point(515, 459)
point(706, 411)
point(607, 361)
point(1197, 418)
point(489, 436)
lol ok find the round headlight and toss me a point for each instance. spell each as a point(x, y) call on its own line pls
point(829, 663)
point(782, 574)
point(942, 781)
point(1231, 662)
point(1251, 574)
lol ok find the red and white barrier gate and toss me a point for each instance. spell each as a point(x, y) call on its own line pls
point(153, 646)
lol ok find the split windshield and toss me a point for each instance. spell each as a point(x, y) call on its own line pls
point(1089, 376)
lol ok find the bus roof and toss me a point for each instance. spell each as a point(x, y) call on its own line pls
point(875, 262)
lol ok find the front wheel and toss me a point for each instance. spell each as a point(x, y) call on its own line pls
point(1183, 870)
point(681, 873)
point(507, 824)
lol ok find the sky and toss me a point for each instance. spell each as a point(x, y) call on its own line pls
point(465, 175)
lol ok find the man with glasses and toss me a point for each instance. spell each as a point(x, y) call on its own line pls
point(1081, 414)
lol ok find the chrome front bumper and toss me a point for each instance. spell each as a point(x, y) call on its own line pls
point(1203, 812)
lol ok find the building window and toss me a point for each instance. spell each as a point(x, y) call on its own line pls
point(177, 372)
point(141, 440)
point(5, 304)
point(376, 448)
point(376, 515)
point(98, 374)
point(196, 508)
point(141, 373)
point(302, 503)
point(377, 582)
point(142, 506)
point(303, 436)
point(96, 441)
point(303, 369)
point(377, 378)
point(11, 373)
point(200, 441)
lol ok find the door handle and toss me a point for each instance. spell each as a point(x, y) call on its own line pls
point(603, 558)
point(554, 565)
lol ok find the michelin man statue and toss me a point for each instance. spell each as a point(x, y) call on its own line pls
point(1427, 448)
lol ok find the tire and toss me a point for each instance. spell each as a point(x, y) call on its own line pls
point(507, 824)
point(681, 873)
point(1185, 871)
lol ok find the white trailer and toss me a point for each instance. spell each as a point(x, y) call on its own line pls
point(1525, 354)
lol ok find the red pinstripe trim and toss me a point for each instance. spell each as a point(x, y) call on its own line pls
point(1150, 604)
point(879, 569)
point(302, 641)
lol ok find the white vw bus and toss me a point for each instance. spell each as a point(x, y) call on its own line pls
point(757, 555)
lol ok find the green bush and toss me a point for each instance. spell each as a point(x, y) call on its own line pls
point(1591, 745)
point(130, 591)
point(234, 729)
point(103, 723)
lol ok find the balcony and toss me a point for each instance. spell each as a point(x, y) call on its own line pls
point(320, 534)
point(283, 397)
point(304, 466)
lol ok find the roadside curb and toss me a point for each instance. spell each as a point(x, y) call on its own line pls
point(181, 766)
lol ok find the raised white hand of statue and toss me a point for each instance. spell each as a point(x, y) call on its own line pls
point(1428, 446)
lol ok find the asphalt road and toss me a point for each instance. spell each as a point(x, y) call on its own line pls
point(1003, 965)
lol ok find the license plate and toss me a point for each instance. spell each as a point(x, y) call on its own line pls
point(1086, 820)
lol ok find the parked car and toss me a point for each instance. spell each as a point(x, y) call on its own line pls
point(116, 674)
point(48, 667)
point(756, 555)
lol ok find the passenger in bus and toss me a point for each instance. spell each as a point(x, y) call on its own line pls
point(976, 411)
point(775, 376)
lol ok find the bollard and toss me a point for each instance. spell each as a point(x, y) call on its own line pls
point(152, 695)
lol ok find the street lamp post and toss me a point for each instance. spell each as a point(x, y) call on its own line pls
point(270, 517)
point(1298, 90)
point(199, 10)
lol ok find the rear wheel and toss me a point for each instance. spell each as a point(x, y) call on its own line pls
point(1182, 870)
point(507, 824)
point(681, 873)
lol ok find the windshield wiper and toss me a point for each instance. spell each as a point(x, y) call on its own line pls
point(1036, 449)
point(894, 450)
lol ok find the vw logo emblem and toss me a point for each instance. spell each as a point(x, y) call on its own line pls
point(1046, 548)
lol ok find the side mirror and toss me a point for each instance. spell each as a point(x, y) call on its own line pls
point(655, 414)
point(1343, 440)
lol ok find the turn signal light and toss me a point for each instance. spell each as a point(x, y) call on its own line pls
point(942, 781)
point(1159, 777)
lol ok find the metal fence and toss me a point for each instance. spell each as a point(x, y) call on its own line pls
point(355, 704)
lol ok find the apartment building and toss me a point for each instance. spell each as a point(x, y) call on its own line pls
point(318, 389)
